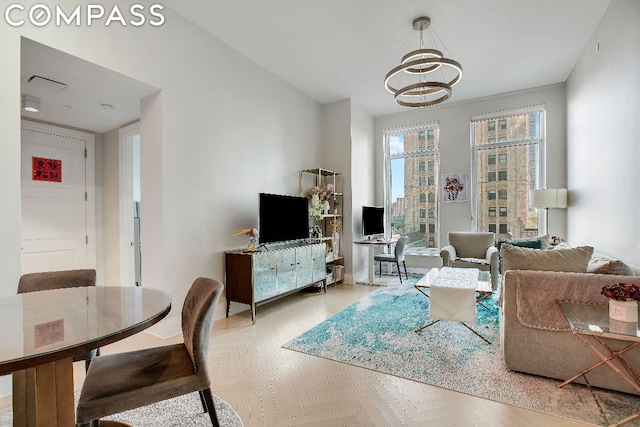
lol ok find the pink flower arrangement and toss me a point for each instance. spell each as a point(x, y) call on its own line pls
point(621, 292)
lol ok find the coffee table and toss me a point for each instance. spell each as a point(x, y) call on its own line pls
point(454, 282)
point(592, 320)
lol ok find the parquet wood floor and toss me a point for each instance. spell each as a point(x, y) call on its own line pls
point(273, 387)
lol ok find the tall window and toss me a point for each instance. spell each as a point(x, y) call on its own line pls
point(412, 184)
point(518, 151)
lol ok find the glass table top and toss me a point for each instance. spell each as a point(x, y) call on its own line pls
point(593, 319)
point(63, 321)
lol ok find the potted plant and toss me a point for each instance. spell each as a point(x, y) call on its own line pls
point(623, 301)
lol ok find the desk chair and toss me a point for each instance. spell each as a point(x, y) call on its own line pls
point(123, 381)
point(397, 257)
point(32, 282)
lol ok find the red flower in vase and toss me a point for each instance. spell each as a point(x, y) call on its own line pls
point(621, 292)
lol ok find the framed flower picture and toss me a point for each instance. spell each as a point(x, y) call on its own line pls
point(454, 187)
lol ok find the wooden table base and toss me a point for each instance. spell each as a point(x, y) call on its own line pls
point(43, 396)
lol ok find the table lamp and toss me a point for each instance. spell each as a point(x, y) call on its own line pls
point(549, 198)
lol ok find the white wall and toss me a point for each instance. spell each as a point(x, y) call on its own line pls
point(336, 142)
point(202, 168)
point(455, 145)
point(9, 166)
point(603, 99)
point(110, 156)
point(363, 179)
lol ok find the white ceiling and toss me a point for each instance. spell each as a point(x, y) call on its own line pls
point(338, 49)
point(89, 86)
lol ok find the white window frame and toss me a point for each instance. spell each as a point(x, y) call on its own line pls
point(541, 141)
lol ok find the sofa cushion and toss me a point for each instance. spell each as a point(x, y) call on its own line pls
point(612, 266)
point(573, 259)
point(523, 243)
point(544, 240)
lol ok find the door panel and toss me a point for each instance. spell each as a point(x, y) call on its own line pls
point(54, 214)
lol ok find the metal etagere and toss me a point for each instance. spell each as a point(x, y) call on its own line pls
point(326, 223)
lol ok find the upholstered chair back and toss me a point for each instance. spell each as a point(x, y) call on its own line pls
point(399, 249)
point(471, 244)
point(44, 281)
point(198, 313)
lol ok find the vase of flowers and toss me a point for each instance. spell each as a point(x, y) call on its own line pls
point(623, 301)
point(314, 193)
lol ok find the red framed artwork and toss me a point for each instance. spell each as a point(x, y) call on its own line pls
point(47, 169)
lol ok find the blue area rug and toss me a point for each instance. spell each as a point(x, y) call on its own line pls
point(377, 333)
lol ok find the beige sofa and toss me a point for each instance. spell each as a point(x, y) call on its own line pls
point(535, 335)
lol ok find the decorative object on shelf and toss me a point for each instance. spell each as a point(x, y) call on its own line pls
point(455, 187)
point(623, 301)
point(253, 237)
point(316, 232)
point(335, 225)
point(314, 193)
point(336, 203)
point(412, 83)
point(316, 210)
point(326, 192)
point(326, 207)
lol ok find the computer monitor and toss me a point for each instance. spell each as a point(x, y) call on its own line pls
point(372, 220)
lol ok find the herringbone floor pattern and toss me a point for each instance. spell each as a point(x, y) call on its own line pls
point(272, 387)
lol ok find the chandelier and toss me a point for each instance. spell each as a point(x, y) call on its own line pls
point(424, 77)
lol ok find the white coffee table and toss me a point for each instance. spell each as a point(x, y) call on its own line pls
point(454, 294)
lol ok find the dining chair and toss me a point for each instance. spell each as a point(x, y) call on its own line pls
point(123, 381)
point(47, 280)
point(396, 257)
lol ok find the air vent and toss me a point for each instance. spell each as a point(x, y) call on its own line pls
point(46, 83)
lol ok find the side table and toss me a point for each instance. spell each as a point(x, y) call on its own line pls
point(592, 320)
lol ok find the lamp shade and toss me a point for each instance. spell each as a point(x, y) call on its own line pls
point(549, 198)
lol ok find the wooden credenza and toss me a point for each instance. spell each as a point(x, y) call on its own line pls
point(259, 277)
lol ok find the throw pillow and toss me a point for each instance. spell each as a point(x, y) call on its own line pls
point(573, 259)
point(613, 266)
point(523, 243)
point(544, 240)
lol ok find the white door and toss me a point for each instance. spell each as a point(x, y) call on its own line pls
point(58, 205)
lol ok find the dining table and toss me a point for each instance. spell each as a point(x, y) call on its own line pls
point(40, 332)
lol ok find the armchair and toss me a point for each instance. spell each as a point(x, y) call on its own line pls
point(472, 250)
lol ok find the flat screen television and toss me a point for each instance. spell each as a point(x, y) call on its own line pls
point(372, 220)
point(283, 218)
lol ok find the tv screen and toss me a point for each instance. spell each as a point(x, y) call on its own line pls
point(372, 220)
point(283, 218)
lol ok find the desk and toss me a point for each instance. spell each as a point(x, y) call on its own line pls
point(592, 320)
point(42, 331)
point(372, 244)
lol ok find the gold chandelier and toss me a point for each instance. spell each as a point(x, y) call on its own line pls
point(424, 77)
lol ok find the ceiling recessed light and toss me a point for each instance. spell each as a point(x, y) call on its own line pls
point(31, 103)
